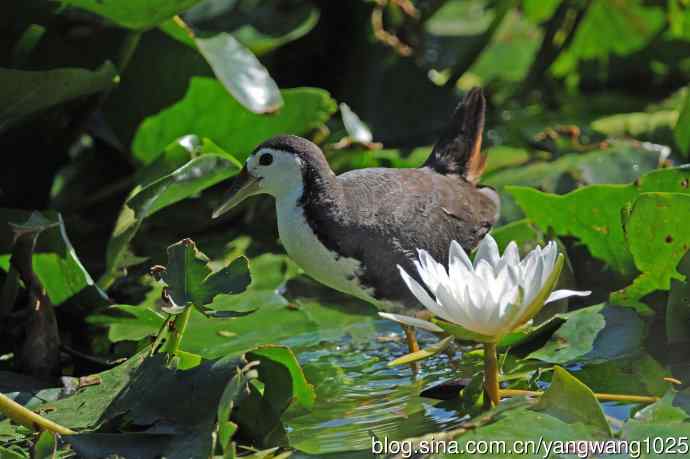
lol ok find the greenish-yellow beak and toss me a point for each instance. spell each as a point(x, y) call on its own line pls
point(244, 185)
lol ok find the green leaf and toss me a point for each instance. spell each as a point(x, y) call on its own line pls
point(571, 401)
point(639, 125)
point(682, 130)
point(134, 14)
point(513, 423)
point(637, 375)
point(656, 248)
point(620, 162)
point(241, 73)
point(279, 366)
point(501, 157)
point(574, 338)
point(663, 426)
point(678, 305)
point(54, 261)
point(186, 181)
point(45, 447)
point(233, 393)
point(23, 93)
point(593, 334)
point(184, 401)
point(209, 111)
point(593, 213)
point(137, 323)
point(191, 281)
point(11, 454)
point(262, 28)
point(613, 28)
point(261, 43)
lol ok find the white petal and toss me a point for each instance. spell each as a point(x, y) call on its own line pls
point(511, 256)
point(534, 280)
point(457, 312)
point(488, 250)
point(412, 322)
point(420, 293)
point(560, 294)
point(549, 256)
point(431, 272)
point(485, 272)
point(457, 254)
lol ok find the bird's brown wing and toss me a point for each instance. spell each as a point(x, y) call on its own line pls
point(393, 212)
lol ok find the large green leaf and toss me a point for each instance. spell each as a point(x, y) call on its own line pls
point(620, 162)
point(55, 261)
point(23, 93)
point(658, 237)
point(134, 14)
point(593, 213)
point(212, 338)
point(611, 28)
point(187, 180)
point(208, 110)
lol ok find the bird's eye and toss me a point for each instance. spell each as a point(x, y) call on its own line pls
point(266, 159)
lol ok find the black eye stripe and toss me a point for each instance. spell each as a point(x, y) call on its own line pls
point(266, 159)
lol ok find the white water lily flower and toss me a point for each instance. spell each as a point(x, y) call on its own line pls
point(491, 297)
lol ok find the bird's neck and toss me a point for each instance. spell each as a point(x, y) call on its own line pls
point(318, 190)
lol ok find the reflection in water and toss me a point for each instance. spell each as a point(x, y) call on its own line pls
point(358, 394)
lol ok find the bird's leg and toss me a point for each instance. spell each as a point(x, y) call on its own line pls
point(412, 345)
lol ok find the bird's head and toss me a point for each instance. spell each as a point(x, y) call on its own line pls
point(279, 167)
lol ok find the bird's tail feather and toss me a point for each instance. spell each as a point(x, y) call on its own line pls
point(458, 150)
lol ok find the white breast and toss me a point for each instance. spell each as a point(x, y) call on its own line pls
point(304, 247)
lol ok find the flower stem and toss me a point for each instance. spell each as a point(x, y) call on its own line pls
point(28, 418)
point(491, 373)
point(600, 396)
point(412, 345)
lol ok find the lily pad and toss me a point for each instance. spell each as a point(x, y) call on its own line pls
point(593, 213)
point(620, 162)
point(660, 430)
point(678, 305)
point(594, 334)
point(637, 375)
point(656, 248)
point(569, 400)
point(574, 338)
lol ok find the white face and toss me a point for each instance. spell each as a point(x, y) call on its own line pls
point(280, 172)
